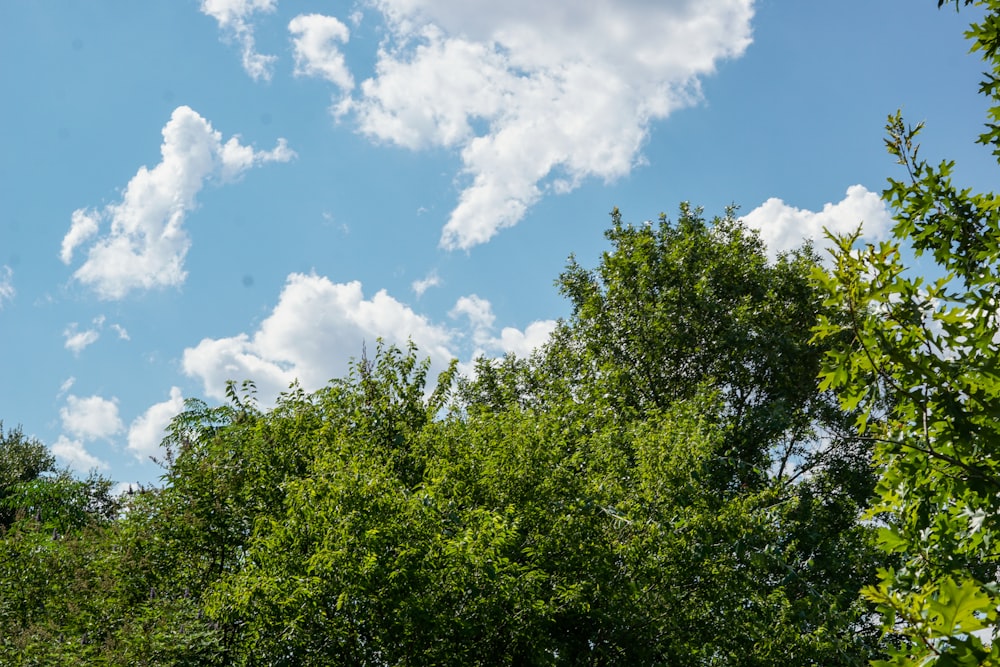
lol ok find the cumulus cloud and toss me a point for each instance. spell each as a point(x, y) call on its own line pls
point(7, 290)
point(479, 313)
point(91, 418)
point(146, 244)
point(315, 328)
point(537, 96)
point(234, 19)
point(523, 343)
point(74, 454)
point(147, 431)
point(315, 39)
point(783, 227)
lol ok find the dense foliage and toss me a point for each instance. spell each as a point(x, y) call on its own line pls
point(717, 459)
point(664, 483)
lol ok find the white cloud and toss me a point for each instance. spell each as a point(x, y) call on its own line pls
point(480, 314)
point(76, 341)
point(75, 455)
point(84, 224)
point(537, 96)
point(479, 311)
point(523, 343)
point(315, 40)
point(120, 330)
point(148, 430)
point(315, 328)
point(7, 290)
point(91, 418)
point(146, 244)
point(233, 17)
point(66, 385)
point(783, 227)
point(422, 285)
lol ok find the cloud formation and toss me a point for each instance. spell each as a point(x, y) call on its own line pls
point(481, 320)
point(7, 290)
point(74, 454)
point(317, 326)
point(85, 419)
point(147, 430)
point(234, 19)
point(538, 96)
point(312, 333)
point(91, 418)
point(783, 227)
point(523, 343)
point(535, 96)
point(315, 38)
point(422, 285)
point(145, 244)
point(76, 341)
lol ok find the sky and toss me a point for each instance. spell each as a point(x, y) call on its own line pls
point(197, 191)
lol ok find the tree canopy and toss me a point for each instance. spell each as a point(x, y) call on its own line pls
point(664, 483)
point(717, 459)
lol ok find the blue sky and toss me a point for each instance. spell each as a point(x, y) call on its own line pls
point(202, 190)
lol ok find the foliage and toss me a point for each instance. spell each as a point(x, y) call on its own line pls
point(664, 483)
point(921, 363)
point(679, 307)
point(22, 460)
point(675, 313)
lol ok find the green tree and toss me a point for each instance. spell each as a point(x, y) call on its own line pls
point(22, 460)
point(921, 363)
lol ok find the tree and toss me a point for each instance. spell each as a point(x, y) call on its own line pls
point(922, 365)
point(22, 460)
point(683, 312)
point(664, 483)
point(676, 308)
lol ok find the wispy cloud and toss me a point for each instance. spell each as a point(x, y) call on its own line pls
point(234, 19)
point(480, 315)
point(66, 385)
point(7, 290)
point(422, 285)
point(76, 341)
point(120, 330)
point(783, 227)
point(146, 244)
